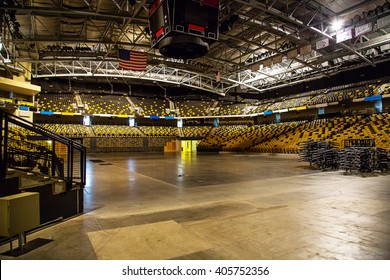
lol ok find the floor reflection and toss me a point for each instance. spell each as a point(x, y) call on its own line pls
point(227, 206)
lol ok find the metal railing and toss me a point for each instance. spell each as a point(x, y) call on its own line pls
point(31, 148)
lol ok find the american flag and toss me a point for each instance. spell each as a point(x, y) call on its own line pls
point(130, 60)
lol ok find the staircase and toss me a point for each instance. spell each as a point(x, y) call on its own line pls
point(31, 148)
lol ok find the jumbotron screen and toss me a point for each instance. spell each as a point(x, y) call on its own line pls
point(197, 18)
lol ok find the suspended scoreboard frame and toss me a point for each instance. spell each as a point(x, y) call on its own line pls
point(198, 18)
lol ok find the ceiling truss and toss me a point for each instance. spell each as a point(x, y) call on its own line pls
point(82, 38)
point(110, 69)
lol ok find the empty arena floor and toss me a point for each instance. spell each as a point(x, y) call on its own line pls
point(227, 206)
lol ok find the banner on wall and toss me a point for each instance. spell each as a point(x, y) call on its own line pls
point(255, 67)
point(292, 54)
point(267, 62)
point(344, 36)
point(277, 59)
point(383, 22)
point(322, 43)
point(305, 50)
point(363, 29)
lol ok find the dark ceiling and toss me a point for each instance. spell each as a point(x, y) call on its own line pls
point(263, 46)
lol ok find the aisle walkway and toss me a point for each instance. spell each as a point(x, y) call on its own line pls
point(224, 206)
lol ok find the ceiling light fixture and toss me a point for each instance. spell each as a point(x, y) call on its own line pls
point(337, 24)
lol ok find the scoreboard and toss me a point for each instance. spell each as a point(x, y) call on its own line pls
point(186, 21)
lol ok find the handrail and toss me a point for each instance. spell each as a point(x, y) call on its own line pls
point(72, 147)
point(35, 128)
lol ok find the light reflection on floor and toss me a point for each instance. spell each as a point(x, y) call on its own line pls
point(227, 206)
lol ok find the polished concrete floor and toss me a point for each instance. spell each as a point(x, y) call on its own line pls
point(227, 206)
